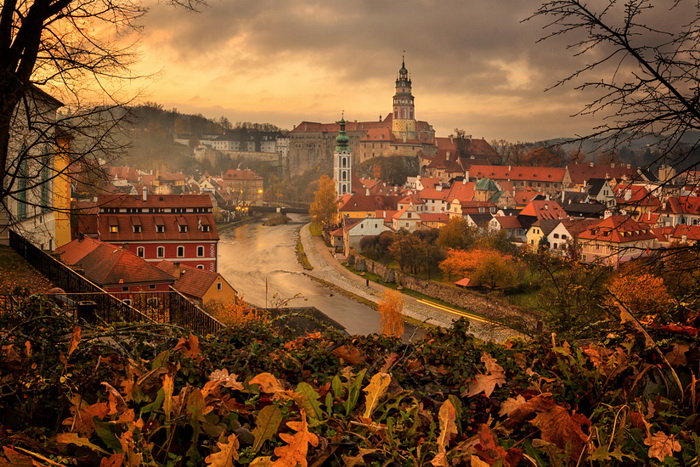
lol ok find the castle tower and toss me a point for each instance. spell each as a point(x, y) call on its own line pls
point(342, 162)
point(404, 122)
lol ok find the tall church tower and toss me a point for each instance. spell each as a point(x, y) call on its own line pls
point(342, 162)
point(404, 122)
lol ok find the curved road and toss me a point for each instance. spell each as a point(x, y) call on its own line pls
point(253, 253)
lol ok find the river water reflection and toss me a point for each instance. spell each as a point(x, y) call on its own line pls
point(253, 253)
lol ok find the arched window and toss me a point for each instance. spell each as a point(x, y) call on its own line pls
point(140, 252)
point(180, 251)
point(200, 266)
point(200, 251)
point(160, 252)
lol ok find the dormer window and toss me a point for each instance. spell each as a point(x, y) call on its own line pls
point(160, 228)
point(136, 228)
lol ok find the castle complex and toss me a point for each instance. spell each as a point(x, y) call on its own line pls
point(312, 144)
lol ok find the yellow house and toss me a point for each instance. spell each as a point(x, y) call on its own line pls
point(61, 192)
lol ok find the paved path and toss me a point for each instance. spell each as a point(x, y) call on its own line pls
point(327, 268)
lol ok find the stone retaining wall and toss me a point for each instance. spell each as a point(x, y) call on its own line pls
point(490, 308)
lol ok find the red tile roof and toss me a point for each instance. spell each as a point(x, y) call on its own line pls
point(361, 202)
point(580, 173)
point(681, 205)
point(509, 222)
point(107, 264)
point(617, 229)
point(461, 191)
point(544, 209)
point(686, 233)
point(638, 195)
point(190, 281)
point(505, 172)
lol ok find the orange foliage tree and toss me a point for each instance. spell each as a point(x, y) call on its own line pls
point(642, 293)
point(236, 312)
point(391, 320)
point(484, 266)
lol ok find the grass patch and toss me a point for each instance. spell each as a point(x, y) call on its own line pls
point(276, 218)
point(301, 256)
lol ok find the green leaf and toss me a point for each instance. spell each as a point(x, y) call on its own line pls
point(160, 360)
point(354, 392)
point(156, 404)
point(310, 401)
point(107, 435)
point(329, 403)
point(337, 386)
point(266, 425)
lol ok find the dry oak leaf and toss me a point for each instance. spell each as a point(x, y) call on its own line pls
point(510, 404)
point(227, 454)
point(81, 421)
point(375, 390)
point(189, 346)
point(295, 451)
point(74, 340)
point(560, 427)
point(268, 383)
point(676, 356)
point(555, 422)
point(448, 429)
point(228, 381)
point(662, 445)
point(348, 353)
point(486, 383)
point(488, 449)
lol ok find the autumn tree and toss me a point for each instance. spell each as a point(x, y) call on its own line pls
point(485, 267)
point(390, 317)
point(643, 294)
point(324, 209)
point(456, 234)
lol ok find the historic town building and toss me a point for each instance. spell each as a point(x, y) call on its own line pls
point(311, 144)
point(177, 228)
point(342, 163)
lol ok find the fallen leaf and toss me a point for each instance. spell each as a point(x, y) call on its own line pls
point(348, 353)
point(15, 458)
point(560, 427)
point(375, 390)
point(76, 439)
point(115, 460)
point(267, 382)
point(676, 356)
point(189, 346)
point(228, 452)
point(228, 381)
point(486, 383)
point(662, 445)
point(74, 340)
point(294, 452)
point(510, 404)
point(81, 421)
point(116, 402)
point(448, 429)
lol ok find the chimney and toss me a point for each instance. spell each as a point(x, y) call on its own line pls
point(466, 175)
point(510, 167)
point(591, 164)
point(447, 156)
point(144, 196)
point(366, 191)
point(612, 165)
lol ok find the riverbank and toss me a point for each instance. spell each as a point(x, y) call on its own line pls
point(328, 269)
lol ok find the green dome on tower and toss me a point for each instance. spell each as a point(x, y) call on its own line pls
point(342, 140)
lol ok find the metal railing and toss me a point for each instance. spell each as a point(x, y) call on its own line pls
point(93, 302)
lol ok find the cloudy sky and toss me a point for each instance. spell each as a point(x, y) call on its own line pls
point(475, 64)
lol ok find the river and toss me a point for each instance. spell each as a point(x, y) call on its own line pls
point(260, 263)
